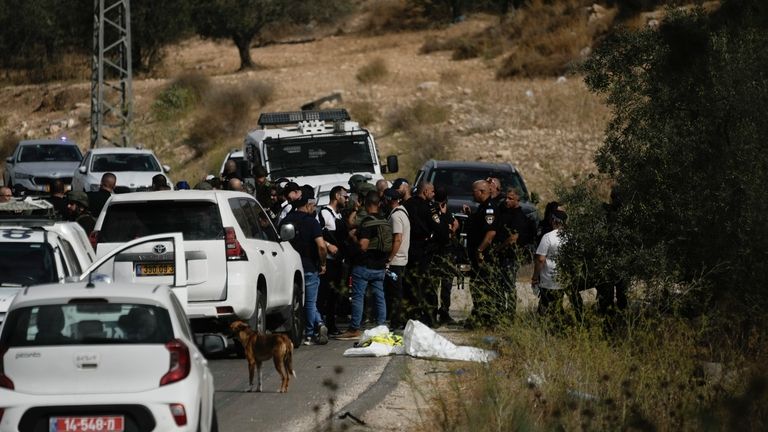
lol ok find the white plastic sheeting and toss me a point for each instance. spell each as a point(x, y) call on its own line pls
point(420, 341)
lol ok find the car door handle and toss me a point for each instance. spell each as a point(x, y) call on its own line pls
point(274, 253)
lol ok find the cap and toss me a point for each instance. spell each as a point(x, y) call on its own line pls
point(209, 177)
point(364, 188)
point(182, 185)
point(78, 197)
point(392, 194)
point(399, 182)
point(291, 187)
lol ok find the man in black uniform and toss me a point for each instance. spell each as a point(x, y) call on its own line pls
point(515, 236)
point(420, 288)
point(483, 225)
point(444, 263)
point(96, 200)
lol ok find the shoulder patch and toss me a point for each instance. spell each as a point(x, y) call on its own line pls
point(489, 219)
point(436, 217)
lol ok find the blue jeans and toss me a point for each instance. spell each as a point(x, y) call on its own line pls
point(362, 278)
point(311, 287)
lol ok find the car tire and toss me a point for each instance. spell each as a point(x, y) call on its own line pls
point(296, 332)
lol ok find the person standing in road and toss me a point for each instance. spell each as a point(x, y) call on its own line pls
point(96, 200)
point(402, 186)
point(5, 194)
point(545, 266)
point(77, 209)
point(514, 237)
point(483, 225)
point(333, 229)
point(310, 245)
point(498, 198)
point(368, 267)
point(291, 192)
point(421, 287)
point(398, 258)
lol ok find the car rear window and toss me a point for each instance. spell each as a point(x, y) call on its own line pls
point(26, 264)
point(50, 153)
point(124, 162)
point(458, 182)
point(197, 220)
point(87, 323)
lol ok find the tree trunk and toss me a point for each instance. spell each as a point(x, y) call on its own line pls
point(243, 43)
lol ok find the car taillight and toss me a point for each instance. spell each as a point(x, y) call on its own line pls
point(5, 382)
point(179, 414)
point(94, 238)
point(180, 362)
point(235, 252)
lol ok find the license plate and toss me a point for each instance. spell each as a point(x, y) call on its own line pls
point(155, 269)
point(87, 424)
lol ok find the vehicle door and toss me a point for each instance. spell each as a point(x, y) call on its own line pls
point(78, 181)
point(281, 253)
point(260, 250)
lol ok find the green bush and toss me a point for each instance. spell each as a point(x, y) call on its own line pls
point(373, 72)
point(685, 148)
point(180, 97)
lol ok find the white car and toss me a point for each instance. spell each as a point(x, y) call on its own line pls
point(240, 267)
point(98, 356)
point(36, 164)
point(133, 167)
point(39, 251)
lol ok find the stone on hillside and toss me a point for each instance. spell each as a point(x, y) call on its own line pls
point(561, 79)
point(54, 128)
point(427, 85)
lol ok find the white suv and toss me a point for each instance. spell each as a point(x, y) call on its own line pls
point(133, 167)
point(239, 267)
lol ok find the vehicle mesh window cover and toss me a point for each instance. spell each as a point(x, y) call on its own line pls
point(26, 263)
point(458, 182)
point(197, 220)
point(318, 154)
point(50, 153)
point(87, 323)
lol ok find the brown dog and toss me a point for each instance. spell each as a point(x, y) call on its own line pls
point(261, 347)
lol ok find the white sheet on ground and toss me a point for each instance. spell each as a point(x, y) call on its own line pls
point(422, 342)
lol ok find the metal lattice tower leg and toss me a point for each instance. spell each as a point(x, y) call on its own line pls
point(111, 95)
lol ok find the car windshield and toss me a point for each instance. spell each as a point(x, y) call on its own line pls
point(78, 323)
point(26, 263)
point(458, 181)
point(317, 155)
point(49, 153)
point(118, 162)
point(197, 220)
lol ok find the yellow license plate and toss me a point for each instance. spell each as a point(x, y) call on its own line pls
point(155, 269)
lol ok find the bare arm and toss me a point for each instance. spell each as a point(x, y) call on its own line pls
point(486, 241)
point(322, 252)
point(397, 240)
point(538, 264)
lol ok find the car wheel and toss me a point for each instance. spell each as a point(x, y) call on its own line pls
point(258, 320)
point(297, 317)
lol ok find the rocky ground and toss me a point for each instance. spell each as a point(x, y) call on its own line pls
point(548, 127)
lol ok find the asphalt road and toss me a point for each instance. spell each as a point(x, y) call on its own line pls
point(323, 373)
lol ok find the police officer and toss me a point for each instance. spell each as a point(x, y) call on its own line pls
point(444, 262)
point(483, 224)
point(426, 232)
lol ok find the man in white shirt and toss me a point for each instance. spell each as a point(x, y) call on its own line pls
point(545, 266)
point(398, 258)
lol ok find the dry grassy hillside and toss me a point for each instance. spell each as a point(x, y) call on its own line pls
point(548, 127)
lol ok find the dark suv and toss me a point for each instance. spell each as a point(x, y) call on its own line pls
point(457, 177)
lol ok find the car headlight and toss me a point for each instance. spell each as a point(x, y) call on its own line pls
point(22, 176)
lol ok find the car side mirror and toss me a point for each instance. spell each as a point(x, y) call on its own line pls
point(166, 169)
point(287, 232)
point(9, 160)
point(392, 164)
point(82, 169)
point(211, 344)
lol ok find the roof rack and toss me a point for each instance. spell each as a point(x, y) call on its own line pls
point(20, 209)
point(292, 117)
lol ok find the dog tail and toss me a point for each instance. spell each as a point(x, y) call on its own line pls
point(289, 361)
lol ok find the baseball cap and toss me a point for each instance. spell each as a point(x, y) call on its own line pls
point(291, 187)
point(392, 194)
point(399, 182)
point(364, 188)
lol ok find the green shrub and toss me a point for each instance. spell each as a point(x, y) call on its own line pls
point(375, 71)
point(364, 112)
point(418, 114)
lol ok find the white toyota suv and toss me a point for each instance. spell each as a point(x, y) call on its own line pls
point(239, 267)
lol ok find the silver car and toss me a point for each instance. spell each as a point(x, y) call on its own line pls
point(36, 164)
